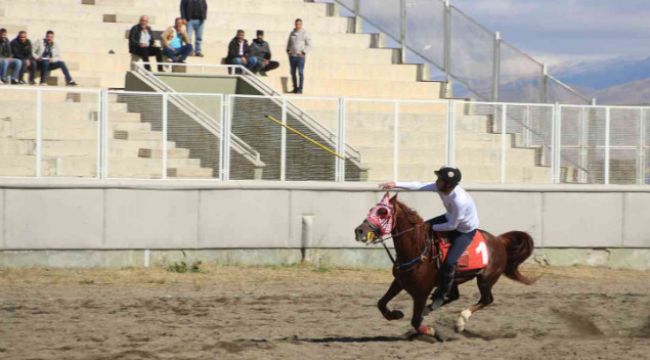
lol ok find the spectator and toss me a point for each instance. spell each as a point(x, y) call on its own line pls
point(22, 49)
point(141, 43)
point(261, 50)
point(195, 12)
point(298, 46)
point(176, 44)
point(239, 52)
point(7, 59)
point(48, 57)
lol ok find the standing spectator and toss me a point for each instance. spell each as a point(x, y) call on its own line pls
point(298, 46)
point(7, 59)
point(195, 12)
point(176, 44)
point(261, 50)
point(48, 56)
point(22, 49)
point(141, 43)
point(239, 52)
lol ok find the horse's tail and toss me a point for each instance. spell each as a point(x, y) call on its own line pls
point(519, 246)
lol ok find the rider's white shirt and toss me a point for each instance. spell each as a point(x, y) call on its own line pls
point(461, 210)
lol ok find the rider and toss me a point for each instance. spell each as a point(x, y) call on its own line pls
point(461, 220)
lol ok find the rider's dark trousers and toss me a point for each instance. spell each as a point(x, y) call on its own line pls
point(459, 242)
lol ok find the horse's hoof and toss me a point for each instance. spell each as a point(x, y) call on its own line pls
point(460, 328)
point(394, 315)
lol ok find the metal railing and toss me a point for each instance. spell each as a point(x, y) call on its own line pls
point(60, 132)
point(466, 52)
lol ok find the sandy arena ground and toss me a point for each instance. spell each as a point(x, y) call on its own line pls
point(312, 313)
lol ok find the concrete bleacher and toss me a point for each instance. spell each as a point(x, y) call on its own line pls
point(91, 34)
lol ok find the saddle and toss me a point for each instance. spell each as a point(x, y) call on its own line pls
point(475, 257)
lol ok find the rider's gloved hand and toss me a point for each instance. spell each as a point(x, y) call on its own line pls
point(387, 185)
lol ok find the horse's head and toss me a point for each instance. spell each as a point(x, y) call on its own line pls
point(379, 222)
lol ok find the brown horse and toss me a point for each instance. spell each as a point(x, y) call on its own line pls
point(415, 267)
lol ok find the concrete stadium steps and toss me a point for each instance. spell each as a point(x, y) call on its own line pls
point(471, 174)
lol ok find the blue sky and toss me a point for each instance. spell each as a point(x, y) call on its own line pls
point(557, 31)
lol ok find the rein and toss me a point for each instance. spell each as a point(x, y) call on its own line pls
point(408, 265)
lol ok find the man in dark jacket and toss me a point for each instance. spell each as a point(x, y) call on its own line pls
point(195, 12)
point(141, 43)
point(239, 52)
point(7, 59)
point(22, 49)
point(261, 50)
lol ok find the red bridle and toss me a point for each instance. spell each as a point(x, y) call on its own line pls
point(383, 223)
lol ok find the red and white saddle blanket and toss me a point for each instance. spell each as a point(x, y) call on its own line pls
point(475, 257)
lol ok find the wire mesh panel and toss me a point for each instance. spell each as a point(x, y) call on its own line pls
point(18, 122)
point(425, 29)
point(582, 144)
point(134, 135)
point(520, 77)
point(644, 147)
point(369, 128)
point(194, 135)
point(384, 16)
point(558, 93)
point(478, 141)
point(422, 134)
point(70, 133)
point(311, 140)
point(625, 126)
point(472, 54)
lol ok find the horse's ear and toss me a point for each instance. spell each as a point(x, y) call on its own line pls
point(394, 198)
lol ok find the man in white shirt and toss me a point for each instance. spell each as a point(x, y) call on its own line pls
point(461, 220)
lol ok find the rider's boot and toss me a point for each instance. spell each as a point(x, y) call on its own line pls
point(446, 282)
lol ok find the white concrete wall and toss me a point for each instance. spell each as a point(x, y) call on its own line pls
point(112, 214)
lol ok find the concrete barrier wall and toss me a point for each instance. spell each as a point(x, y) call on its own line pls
point(112, 214)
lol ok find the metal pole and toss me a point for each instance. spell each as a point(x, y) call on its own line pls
point(396, 141)
point(527, 127)
point(225, 134)
point(100, 139)
point(39, 135)
point(496, 66)
point(583, 147)
point(223, 117)
point(544, 94)
point(105, 134)
point(554, 143)
point(357, 17)
point(451, 132)
point(402, 31)
point(504, 109)
point(164, 135)
point(283, 142)
point(340, 163)
point(642, 165)
point(607, 134)
point(447, 41)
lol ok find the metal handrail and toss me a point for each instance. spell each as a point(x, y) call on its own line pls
point(277, 97)
point(199, 115)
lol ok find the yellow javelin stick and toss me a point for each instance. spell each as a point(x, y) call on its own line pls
point(302, 135)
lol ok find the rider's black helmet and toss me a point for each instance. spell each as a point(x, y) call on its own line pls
point(450, 175)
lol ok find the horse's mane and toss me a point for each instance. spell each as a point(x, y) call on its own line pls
point(411, 215)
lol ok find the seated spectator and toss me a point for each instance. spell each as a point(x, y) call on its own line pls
point(239, 52)
point(176, 44)
point(261, 50)
point(48, 57)
point(141, 43)
point(22, 49)
point(7, 59)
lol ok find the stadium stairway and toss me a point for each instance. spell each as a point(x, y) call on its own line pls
point(342, 63)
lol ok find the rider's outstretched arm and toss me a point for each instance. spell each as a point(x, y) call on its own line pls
point(415, 185)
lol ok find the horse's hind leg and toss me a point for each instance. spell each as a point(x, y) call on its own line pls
point(393, 290)
point(485, 287)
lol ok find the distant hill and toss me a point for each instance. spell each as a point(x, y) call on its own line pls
point(598, 75)
point(632, 93)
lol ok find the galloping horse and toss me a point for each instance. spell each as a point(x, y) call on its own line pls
point(415, 267)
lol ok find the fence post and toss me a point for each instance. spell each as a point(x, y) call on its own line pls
point(225, 138)
point(447, 41)
point(283, 142)
point(556, 142)
point(544, 95)
point(584, 178)
point(39, 134)
point(451, 132)
point(165, 124)
point(527, 127)
point(641, 173)
point(339, 175)
point(357, 17)
point(402, 30)
point(504, 109)
point(607, 135)
point(496, 66)
point(396, 141)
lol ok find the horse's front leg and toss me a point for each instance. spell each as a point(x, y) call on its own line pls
point(394, 289)
point(419, 303)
